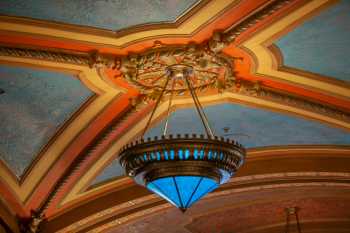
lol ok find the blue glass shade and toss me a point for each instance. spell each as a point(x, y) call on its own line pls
point(181, 154)
point(182, 191)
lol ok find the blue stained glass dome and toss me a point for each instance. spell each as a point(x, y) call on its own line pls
point(182, 191)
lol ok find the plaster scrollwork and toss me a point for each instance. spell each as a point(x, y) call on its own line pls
point(236, 30)
point(147, 71)
point(256, 90)
point(33, 224)
point(98, 60)
point(62, 57)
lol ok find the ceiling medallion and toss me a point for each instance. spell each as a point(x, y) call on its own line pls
point(181, 169)
point(149, 71)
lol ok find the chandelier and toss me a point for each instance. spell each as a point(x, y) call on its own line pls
point(181, 169)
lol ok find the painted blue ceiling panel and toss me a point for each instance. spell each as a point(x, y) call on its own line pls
point(34, 105)
point(107, 14)
point(322, 44)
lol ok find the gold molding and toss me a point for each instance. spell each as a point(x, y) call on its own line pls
point(90, 78)
point(266, 62)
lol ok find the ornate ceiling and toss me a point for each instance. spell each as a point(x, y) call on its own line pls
point(70, 99)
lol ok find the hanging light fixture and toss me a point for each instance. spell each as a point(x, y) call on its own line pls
point(182, 169)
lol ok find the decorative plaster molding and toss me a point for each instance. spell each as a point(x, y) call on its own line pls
point(31, 225)
point(221, 40)
point(148, 71)
point(62, 57)
point(93, 59)
point(256, 90)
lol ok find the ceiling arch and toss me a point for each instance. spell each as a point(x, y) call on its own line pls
point(264, 92)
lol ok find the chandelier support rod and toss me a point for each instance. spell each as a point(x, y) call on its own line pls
point(298, 224)
point(287, 223)
point(199, 109)
point(165, 129)
point(289, 212)
point(203, 115)
point(155, 107)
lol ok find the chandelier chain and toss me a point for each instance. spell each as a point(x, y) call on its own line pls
point(199, 108)
point(156, 106)
point(289, 212)
point(169, 106)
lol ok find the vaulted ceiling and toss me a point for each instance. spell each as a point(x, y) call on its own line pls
point(68, 103)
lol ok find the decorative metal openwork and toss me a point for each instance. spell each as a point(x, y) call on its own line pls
point(182, 169)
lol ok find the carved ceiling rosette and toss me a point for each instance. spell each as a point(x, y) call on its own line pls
point(148, 71)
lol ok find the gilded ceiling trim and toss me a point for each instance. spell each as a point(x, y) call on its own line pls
point(141, 207)
point(280, 103)
point(60, 57)
point(205, 14)
point(266, 61)
point(90, 78)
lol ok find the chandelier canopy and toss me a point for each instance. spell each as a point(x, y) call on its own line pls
point(182, 168)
